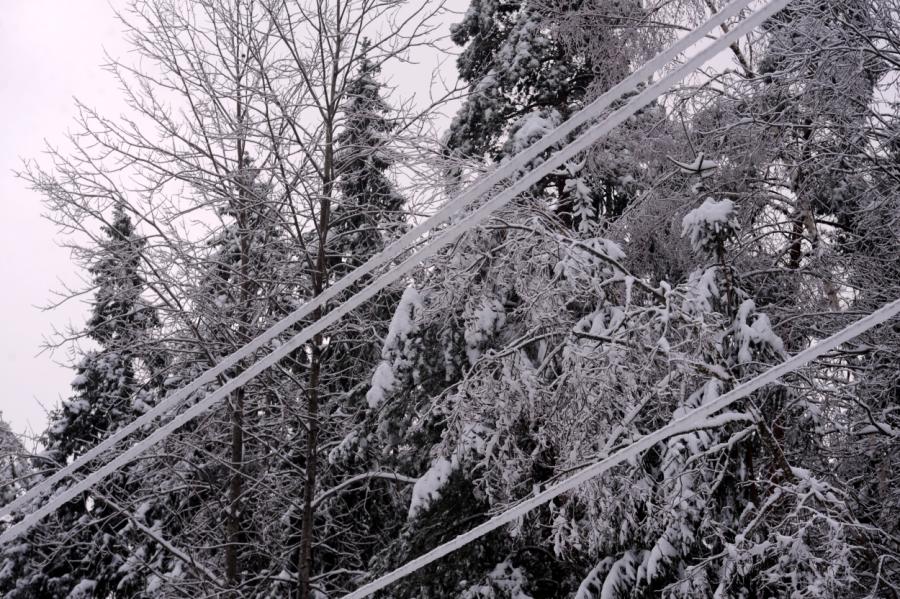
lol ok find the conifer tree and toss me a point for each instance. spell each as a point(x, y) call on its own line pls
point(106, 389)
point(370, 211)
point(15, 466)
point(522, 82)
point(83, 547)
point(530, 65)
point(368, 215)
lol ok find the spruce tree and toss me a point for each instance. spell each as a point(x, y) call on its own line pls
point(522, 83)
point(15, 465)
point(106, 391)
point(370, 211)
point(529, 66)
point(83, 547)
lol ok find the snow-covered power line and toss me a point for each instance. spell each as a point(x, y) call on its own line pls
point(692, 420)
point(472, 193)
point(515, 165)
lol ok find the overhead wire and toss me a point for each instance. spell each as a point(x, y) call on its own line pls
point(517, 164)
point(481, 187)
point(696, 418)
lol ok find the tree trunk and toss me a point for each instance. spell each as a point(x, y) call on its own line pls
point(235, 487)
point(320, 278)
point(305, 565)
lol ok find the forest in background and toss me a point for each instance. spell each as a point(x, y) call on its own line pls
point(739, 219)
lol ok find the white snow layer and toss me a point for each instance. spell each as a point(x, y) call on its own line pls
point(701, 165)
point(505, 578)
point(701, 292)
point(82, 590)
point(382, 384)
point(428, 486)
point(472, 440)
point(711, 218)
point(532, 127)
point(759, 333)
point(711, 213)
point(401, 327)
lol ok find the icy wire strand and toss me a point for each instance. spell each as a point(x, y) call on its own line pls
point(472, 193)
point(445, 237)
point(690, 421)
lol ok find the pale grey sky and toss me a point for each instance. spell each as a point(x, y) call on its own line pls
point(52, 51)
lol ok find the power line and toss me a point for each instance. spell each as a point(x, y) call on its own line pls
point(516, 164)
point(472, 193)
point(690, 421)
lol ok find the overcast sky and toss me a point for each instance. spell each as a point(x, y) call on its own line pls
point(52, 51)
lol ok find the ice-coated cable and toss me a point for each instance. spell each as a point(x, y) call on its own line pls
point(446, 236)
point(692, 420)
point(473, 192)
